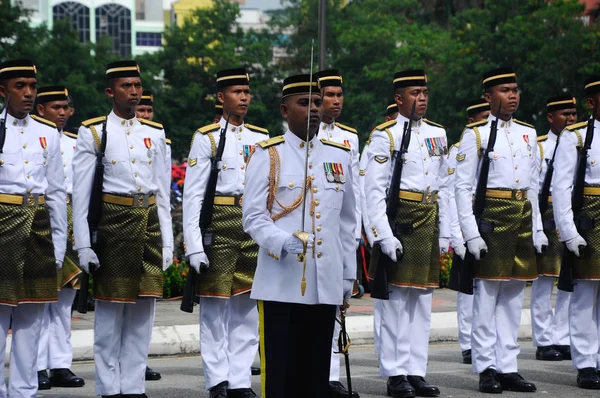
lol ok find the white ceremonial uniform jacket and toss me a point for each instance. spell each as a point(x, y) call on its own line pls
point(425, 169)
point(456, 238)
point(362, 175)
point(278, 274)
point(348, 136)
point(546, 152)
point(515, 165)
point(68, 143)
point(132, 165)
point(563, 179)
point(31, 164)
point(239, 144)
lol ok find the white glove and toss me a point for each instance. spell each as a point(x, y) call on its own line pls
point(460, 251)
point(59, 264)
point(196, 259)
point(389, 247)
point(573, 244)
point(167, 257)
point(348, 287)
point(86, 257)
point(444, 245)
point(475, 246)
point(293, 245)
point(539, 241)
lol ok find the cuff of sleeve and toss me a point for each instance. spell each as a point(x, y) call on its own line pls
point(276, 247)
point(568, 233)
point(455, 242)
point(193, 247)
point(445, 230)
point(59, 255)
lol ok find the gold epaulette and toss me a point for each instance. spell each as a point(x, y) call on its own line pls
point(271, 141)
point(347, 128)
point(335, 144)
point(542, 138)
point(523, 123)
point(477, 124)
point(385, 125)
point(209, 128)
point(456, 145)
point(69, 134)
point(93, 121)
point(168, 141)
point(151, 124)
point(576, 126)
point(256, 129)
point(43, 121)
point(429, 122)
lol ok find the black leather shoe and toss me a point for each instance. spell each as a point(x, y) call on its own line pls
point(133, 396)
point(219, 391)
point(152, 374)
point(337, 390)
point(241, 393)
point(548, 353)
point(422, 388)
point(565, 350)
point(65, 378)
point(466, 354)
point(399, 387)
point(255, 370)
point(43, 380)
point(515, 382)
point(489, 383)
point(588, 378)
point(113, 396)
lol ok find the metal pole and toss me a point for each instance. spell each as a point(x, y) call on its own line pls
point(322, 33)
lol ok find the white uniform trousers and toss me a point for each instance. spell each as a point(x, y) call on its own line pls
point(549, 327)
point(26, 326)
point(584, 319)
point(405, 323)
point(228, 339)
point(55, 350)
point(334, 368)
point(121, 339)
point(377, 324)
point(496, 318)
point(464, 313)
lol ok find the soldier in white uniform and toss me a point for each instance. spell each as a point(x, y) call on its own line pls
point(584, 307)
point(510, 227)
point(135, 225)
point(55, 351)
point(228, 316)
point(333, 103)
point(299, 299)
point(477, 110)
point(33, 232)
point(422, 219)
point(551, 328)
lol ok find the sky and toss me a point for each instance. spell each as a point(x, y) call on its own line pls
point(263, 4)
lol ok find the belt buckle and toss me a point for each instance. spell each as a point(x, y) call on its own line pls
point(29, 200)
point(518, 194)
point(427, 197)
point(140, 200)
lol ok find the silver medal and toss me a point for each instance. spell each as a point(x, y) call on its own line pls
point(149, 153)
point(45, 153)
point(330, 177)
point(342, 178)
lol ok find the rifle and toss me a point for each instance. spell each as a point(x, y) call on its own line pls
point(379, 285)
point(545, 192)
point(206, 214)
point(466, 272)
point(565, 278)
point(94, 217)
point(3, 125)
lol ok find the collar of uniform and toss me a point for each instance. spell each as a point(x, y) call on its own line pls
point(232, 128)
point(297, 142)
point(551, 136)
point(328, 126)
point(13, 121)
point(402, 119)
point(501, 123)
point(114, 119)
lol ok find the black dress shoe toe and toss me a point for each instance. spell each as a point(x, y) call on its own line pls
point(133, 396)
point(515, 382)
point(466, 355)
point(399, 387)
point(255, 370)
point(565, 350)
point(113, 396)
point(489, 383)
point(43, 380)
point(152, 374)
point(338, 390)
point(548, 353)
point(241, 393)
point(65, 378)
point(422, 388)
point(219, 391)
point(588, 378)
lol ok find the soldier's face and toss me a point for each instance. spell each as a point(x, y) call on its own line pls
point(126, 92)
point(407, 96)
point(235, 99)
point(295, 110)
point(560, 119)
point(506, 94)
point(57, 112)
point(145, 112)
point(22, 92)
point(333, 101)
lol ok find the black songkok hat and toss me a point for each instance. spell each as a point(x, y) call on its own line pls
point(17, 68)
point(51, 94)
point(561, 102)
point(499, 76)
point(392, 108)
point(592, 85)
point(119, 69)
point(409, 78)
point(218, 109)
point(300, 84)
point(232, 77)
point(330, 77)
point(474, 107)
point(147, 98)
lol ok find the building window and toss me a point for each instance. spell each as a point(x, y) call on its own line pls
point(149, 39)
point(114, 21)
point(78, 14)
